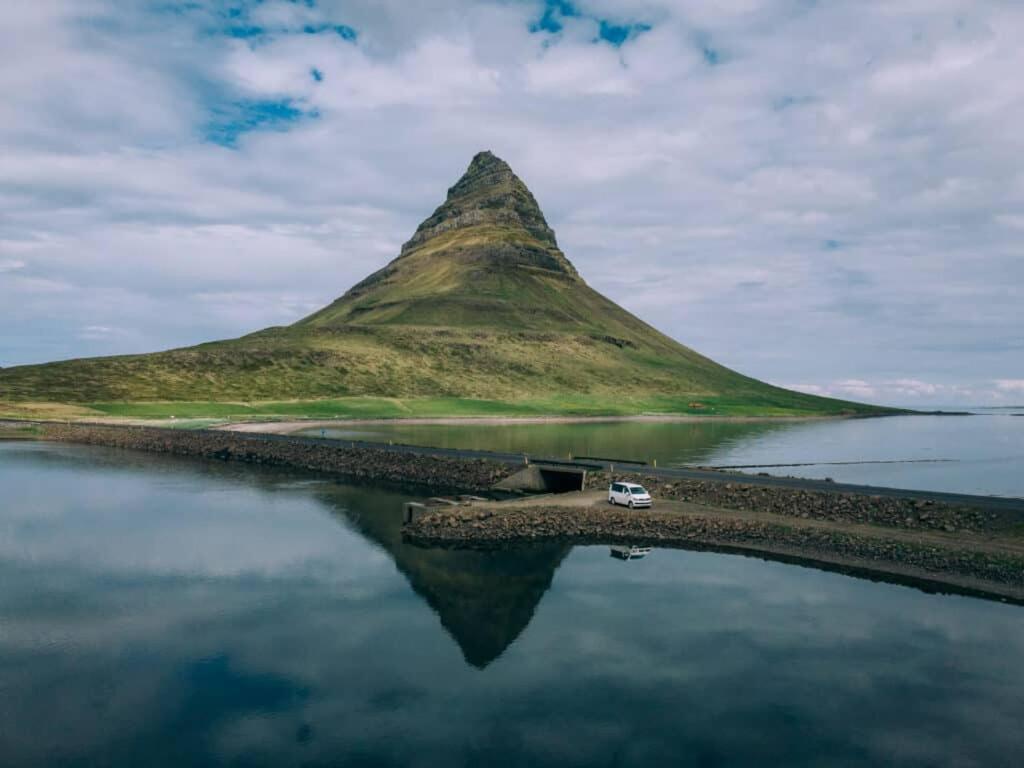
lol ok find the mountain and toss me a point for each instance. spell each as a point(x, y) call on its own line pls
point(480, 312)
point(485, 258)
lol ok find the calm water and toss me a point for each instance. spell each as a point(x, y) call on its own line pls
point(966, 454)
point(166, 612)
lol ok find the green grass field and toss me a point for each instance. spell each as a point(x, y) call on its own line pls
point(399, 408)
point(187, 414)
point(399, 371)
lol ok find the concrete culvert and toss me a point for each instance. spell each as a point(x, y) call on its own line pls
point(540, 478)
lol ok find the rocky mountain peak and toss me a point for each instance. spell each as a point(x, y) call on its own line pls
point(489, 193)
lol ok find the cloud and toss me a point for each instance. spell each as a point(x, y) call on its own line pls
point(1013, 221)
point(94, 332)
point(589, 70)
point(810, 389)
point(10, 265)
point(918, 393)
point(694, 171)
point(856, 388)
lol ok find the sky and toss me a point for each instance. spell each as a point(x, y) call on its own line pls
point(824, 195)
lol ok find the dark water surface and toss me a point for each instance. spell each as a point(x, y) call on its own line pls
point(162, 612)
point(982, 454)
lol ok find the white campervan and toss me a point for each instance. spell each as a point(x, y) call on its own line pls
point(629, 494)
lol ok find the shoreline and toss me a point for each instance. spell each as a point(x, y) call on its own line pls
point(970, 542)
point(294, 425)
point(973, 563)
point(378, 463)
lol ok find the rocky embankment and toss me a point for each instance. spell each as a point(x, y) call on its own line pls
point(976, 549)
point(886, 511)
point(358, 462)
point(18, 430)
point(987, 570)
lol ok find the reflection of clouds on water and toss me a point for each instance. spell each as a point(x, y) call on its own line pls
point(785, 634)
point(327, 655)
point(988, 450)
point(125, 522)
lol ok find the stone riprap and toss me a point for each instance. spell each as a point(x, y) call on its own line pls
point(322, 456)
point(490, 527)
point(887, 511)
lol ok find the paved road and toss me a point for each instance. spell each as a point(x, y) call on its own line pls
point(625, 468)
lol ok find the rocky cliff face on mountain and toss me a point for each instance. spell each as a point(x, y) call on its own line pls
point(489, 193)
point(487, 242)
point(480, 304)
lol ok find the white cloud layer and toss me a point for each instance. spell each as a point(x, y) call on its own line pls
point(827, 193)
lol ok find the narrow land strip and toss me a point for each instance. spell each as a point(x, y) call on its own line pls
point(972, 542)
point(342, 459)
point(260, 447)
point(983, 563)
point(298, 425)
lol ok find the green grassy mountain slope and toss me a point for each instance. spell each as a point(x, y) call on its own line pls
point(480, 310)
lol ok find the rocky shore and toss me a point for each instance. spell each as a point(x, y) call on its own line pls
point(886, 511)
point(16, 430)
point(360, 463)
point(970, 564)
point(980, 549)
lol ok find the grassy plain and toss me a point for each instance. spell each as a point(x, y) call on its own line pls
point(202, 413)
point(395, 372)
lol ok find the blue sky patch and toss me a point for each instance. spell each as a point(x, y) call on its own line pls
point(712, 55)
point(238, 9)
point(554, 12)
point(617, 34)
point(245, 31)
point(235, 21)
point(178, 9)
point(343, 31)
point(316, 74)
point(557, 11)
point(239, 117)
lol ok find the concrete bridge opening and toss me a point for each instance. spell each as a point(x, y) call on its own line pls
point(545, 478)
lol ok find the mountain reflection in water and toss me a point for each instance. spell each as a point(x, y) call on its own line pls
point(169, 612)
point(484, 599)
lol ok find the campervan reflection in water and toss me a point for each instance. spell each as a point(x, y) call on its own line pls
point(627, 552)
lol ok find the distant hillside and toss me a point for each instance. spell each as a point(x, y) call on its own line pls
point(480, 310)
